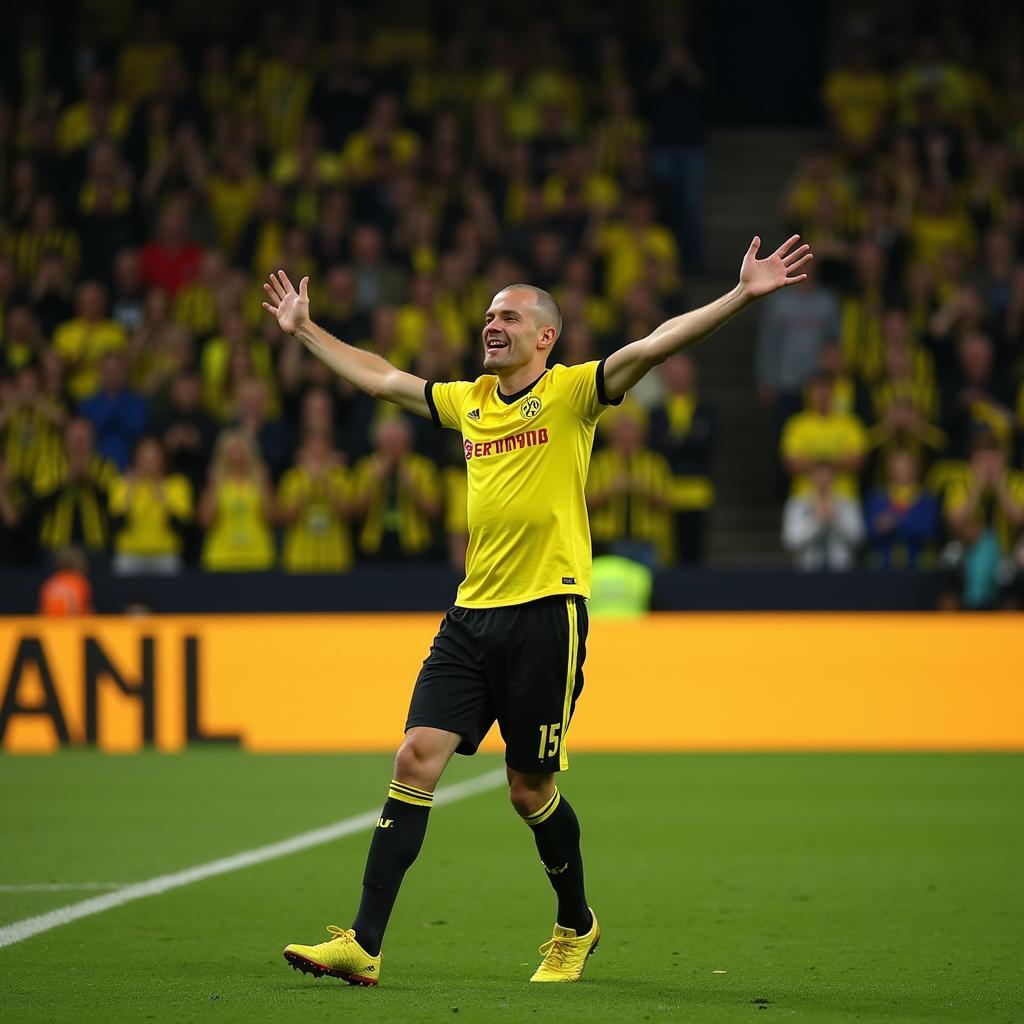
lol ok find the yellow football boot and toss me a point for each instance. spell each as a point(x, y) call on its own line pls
point(340, 957)
point(565, 955)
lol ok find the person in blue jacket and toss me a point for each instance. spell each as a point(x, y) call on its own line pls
point(902, 518)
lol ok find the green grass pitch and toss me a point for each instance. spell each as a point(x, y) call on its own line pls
point(804, 887)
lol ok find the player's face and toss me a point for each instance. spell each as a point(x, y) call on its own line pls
point(510, 332)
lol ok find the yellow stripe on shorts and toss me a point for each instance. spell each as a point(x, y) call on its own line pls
point(570, 679)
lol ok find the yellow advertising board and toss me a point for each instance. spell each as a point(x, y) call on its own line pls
point(664, 682)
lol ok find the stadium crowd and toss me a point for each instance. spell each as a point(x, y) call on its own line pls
point(153, 415)
point(895, 375)
point(151, 412)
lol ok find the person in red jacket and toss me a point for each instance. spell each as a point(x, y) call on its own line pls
point(171, 259)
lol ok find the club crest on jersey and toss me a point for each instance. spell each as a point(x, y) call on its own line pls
point(530, 407)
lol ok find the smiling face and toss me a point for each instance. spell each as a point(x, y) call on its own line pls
point(518, 330)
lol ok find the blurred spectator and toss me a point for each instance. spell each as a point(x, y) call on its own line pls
point(858, 98)
point(796, 324)
point(18, 526)
point(415, 318)
point(31, 425)
point(261, 242)
point(44, 237)
point(73, 493)
point(67, 591)
point(128, 307)
point(149, 511)
point(629, 493)
point(237, 508)
point(397, 494)
point(977, 395)
point(24, 341)
point(848, 395)
point(819, 204)
point(683, 429)
point(633, 243)
point(186, 431)
point(270, 438)
point(118, 415)
point(341, 315)
point(105, 226)
point(232, 356)
point(51, 293)
point(821, 527)
point(862, 311)
point(378, 282)
point(195, 304)
point(315, 506)
point(456, 516)
point(902, 518)
point(83, 341)
point(171, 259)
point(905, 406)
point(984, 511)
point(675, 86)
point(938, 226)
point(820, 435)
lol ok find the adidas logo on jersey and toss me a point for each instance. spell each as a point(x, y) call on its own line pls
point(473, 415)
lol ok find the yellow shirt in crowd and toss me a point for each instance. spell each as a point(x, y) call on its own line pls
point(147, 529)
point(83, 345)
point(239, 538)
point(809, 435)
point(319, 540)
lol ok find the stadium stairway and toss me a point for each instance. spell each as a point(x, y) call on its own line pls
point(748, 170)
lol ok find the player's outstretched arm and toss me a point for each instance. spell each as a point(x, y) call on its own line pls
point(365, 370)
point(630, 363)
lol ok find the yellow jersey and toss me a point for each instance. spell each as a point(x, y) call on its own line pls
point(809, 435)
point(319, 539)
point(527, 457)
point(239, 539)
point(149, 517)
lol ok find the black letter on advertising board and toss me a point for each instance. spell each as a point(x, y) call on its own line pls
point(97, 665)
point(30, 652)
point(193, 730)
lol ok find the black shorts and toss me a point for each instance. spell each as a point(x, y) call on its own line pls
point(521, 665)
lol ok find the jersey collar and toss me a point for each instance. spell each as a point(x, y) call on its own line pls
point(511, 399)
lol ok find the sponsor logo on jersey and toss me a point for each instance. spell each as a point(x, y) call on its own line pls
point(568, 580)
point(473, 414)
point(504, 445)
point(530, 407)
point(385, 823)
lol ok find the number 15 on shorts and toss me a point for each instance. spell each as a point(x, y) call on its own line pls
point(549, 740)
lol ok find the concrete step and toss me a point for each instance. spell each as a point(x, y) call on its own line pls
point(748, 170)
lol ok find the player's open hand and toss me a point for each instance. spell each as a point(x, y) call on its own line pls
point(291, 307)
point(760, 277)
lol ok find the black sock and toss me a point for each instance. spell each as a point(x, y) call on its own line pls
point(396, 842)
point(557, 834)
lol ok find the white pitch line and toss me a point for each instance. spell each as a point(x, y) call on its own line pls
point(60, 886)
point(18, 931)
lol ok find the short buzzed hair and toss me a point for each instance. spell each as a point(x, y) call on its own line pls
point(548, 310)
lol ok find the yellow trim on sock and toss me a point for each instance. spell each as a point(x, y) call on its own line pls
point(413, 790)
point(410, 795)
point(539, 817)
point(570, 680)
